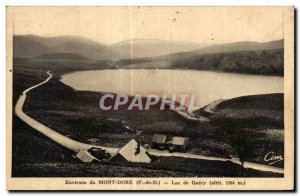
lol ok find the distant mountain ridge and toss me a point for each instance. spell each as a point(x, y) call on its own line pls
point(28, 46)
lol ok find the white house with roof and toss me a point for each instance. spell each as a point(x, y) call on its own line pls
point(132, 152)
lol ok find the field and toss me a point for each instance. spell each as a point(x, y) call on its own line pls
point(77, 115)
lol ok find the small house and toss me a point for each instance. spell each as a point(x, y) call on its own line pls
point(159, 141)
point(85, 156)
point(132, 152)
point(179, 144)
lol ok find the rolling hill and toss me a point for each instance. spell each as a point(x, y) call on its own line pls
point(28, 46)
point(238, 46)
point(151, 47)
point(241, 57)
point(62, 56)
point(262, 62)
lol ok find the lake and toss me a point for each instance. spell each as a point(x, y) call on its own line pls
point(207, 86)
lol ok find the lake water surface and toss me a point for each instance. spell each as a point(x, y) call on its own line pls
point(207, 86)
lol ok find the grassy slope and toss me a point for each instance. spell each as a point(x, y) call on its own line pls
point(268, 106)
point(258, 118)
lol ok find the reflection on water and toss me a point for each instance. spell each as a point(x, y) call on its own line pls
point(207, 86)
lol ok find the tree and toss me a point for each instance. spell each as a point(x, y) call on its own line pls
point(244, 144)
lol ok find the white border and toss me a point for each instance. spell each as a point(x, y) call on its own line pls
point(4, 3)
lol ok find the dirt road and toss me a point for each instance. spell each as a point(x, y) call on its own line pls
point(52, 134)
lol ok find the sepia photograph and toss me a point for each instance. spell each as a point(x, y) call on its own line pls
point(150, 98)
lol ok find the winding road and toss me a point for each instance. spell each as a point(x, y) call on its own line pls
point(79, 147)
point(72, 145)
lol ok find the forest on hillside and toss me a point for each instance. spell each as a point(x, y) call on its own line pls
point(263, 62)
point(260, 62)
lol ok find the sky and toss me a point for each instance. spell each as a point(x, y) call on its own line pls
point(108, 25)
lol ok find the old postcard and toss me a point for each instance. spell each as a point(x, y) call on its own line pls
point(150, 98)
